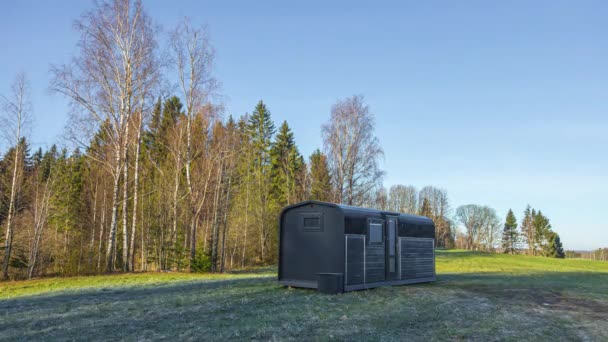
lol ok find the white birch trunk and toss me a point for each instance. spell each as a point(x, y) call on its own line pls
point(135, 196)
point(113, 221)
point(125, 201)
point(101, 229)
point(8, 243)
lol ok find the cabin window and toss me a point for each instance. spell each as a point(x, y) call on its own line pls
point(375, 233)
point(312, 222)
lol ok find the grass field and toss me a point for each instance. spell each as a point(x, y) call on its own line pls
point(477, 297)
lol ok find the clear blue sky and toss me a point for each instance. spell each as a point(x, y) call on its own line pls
point(502, 103)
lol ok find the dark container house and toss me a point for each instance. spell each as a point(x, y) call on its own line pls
point(335, 248)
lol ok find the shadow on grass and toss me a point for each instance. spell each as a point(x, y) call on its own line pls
point(128, 292)
point(583, 282)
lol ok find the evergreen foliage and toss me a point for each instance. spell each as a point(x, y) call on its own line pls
point(555, 248)
point(510, 234)
point(287, 167)
point(260, 131)
point(425, 208)
point(320, 178)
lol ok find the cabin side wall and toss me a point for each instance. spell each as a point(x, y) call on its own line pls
point(367, 261)
point(311, 242)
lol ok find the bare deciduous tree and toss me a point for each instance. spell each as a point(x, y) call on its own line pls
point(42, 195)
point(381, 199)
point(440, 211)
point(194, 57)
point(402, 198)
point(482, 226)
point(490, 237)
point(16, 115)
point(113, 72)
point(353, 151)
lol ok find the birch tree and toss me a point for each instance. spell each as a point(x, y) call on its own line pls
point(482, 226)
point(114, 67)
point(43, 187)
point(353, 151)
point(194, 55)
point(439, 211)
point(470, 216)
point(402, 198)
point(16, 115)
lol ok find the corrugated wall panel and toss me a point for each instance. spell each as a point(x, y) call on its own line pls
point(355, 259)
point(375, 263)
point(417, 258)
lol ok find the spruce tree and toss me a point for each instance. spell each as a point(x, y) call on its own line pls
point(67, 204)
point(156, 116)
point(37, 157)
point(154, 126)
point(172, 112)
point(555, 248)
point(510, 234)
point(287, 165)
point(527, 230)
point(542, 231)
point(260, 131)
point(47, 162)
point(320, 178)
point(425, 208)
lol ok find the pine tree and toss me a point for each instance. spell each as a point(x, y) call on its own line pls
point(320, 178)
point(510, 234)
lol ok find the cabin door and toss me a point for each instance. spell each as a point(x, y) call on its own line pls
point(391, 248)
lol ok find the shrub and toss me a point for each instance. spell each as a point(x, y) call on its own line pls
point(201, 263)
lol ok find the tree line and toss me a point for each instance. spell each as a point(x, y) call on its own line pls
point(483, 230)
point(597, 254)
point(156, 177)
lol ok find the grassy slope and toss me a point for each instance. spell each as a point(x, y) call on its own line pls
point(477, 297)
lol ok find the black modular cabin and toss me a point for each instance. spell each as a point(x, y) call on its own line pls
point(345, 248)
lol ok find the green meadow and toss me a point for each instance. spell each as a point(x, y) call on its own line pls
point(478, 296)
